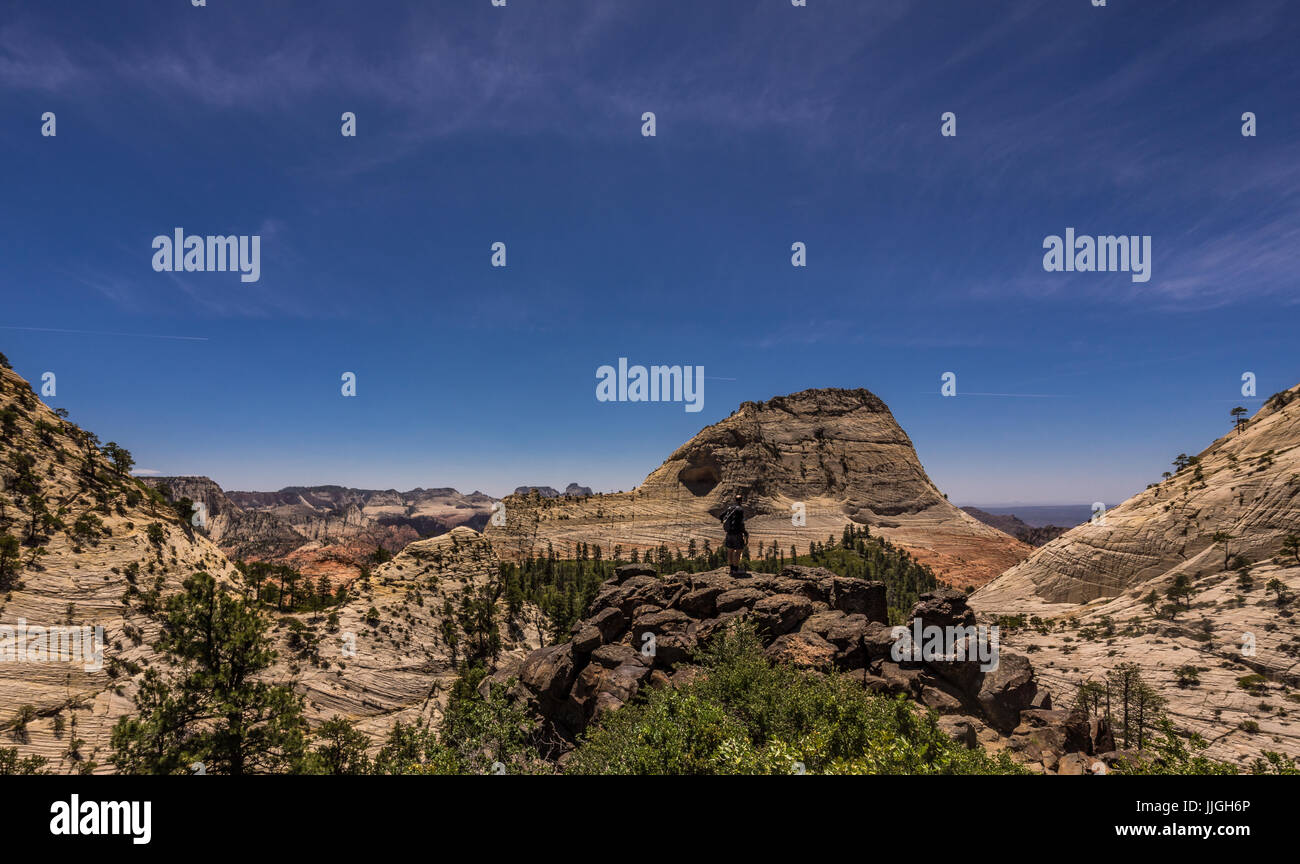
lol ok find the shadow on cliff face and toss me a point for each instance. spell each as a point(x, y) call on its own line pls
point(701, 475)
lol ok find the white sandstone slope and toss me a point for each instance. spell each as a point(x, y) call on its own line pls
point(94, 565)
point(1101, 592)
point(1246, 484)
point(394, 663)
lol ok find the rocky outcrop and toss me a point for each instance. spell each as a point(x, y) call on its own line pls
point(644, 630)
point(573, 489)
point(1064, 742)
point(807, 465)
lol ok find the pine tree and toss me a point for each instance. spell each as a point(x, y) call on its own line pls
point(214, 708)
point(1223, 537)
point(10, 554)
point(343, 748)
point(1181, 590)
point(1291, 544)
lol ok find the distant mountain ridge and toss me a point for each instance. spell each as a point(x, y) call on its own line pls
point(548, 492)
point(326, 530)
point(333, 497)
point(1042, 515)
point(1010, 524)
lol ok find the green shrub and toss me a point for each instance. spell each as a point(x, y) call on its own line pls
point(12, 763)
point(748, 716)
point(1253, 684)
point(479, 734)
point(1172, 753)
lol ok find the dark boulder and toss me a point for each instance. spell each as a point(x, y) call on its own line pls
point(624, 572)
point(803, 650)
point(671, 649)
point(613, 656)
point(859, 597)
point(1006, 691)
point(658, 622)
point(700, 603)
point(940, 695)
point(549, 671)
point(944, 607)
point(624, 681)
point(960, 729)
point(586, 639)
point(780, 613)
point(610, 623)
point(878, 641)
point(738, 598)
point(643, 591)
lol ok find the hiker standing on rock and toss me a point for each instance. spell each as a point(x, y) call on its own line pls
point(733, 522)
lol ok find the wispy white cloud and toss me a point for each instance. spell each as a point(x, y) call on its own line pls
point(31, 60)
point(559, 70)
point(567, 71)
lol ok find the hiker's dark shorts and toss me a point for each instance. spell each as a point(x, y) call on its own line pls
point(735, 541)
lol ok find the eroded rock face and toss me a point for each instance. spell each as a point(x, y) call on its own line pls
point(398, 664)
point(241, 534)
point(93, 577)
point(839, 454)
point(1246, 484)
point(1061, 740)
point(806, 616)
point(1085, 583)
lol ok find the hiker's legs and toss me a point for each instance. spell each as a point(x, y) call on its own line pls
point(733, 558)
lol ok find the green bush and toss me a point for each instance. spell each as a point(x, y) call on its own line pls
point(479, 734)
point(748, 716)
point(1253, 684)
point(1174, 753)
point(12, 763)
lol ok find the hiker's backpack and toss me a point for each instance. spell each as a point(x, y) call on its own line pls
point(733, 521)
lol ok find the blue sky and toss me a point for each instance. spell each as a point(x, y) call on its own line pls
point(522, 124)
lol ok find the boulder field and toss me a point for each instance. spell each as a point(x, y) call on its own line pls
point(643, 631)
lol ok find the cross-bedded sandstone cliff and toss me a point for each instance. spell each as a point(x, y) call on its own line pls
point(1246, 484)
point(1224, 650)
point(92, 544)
